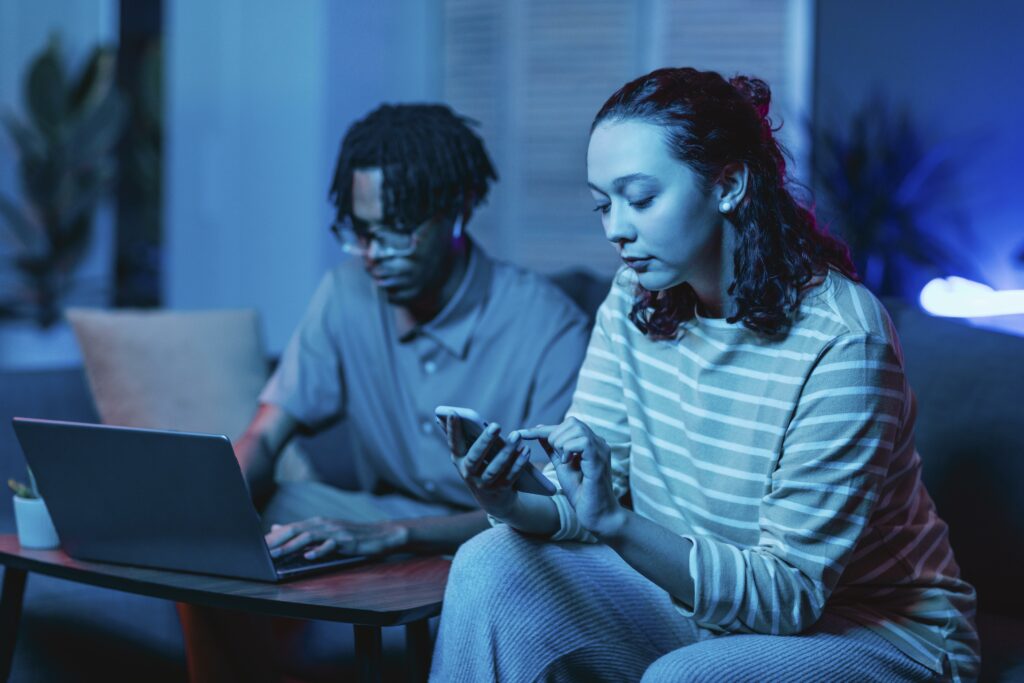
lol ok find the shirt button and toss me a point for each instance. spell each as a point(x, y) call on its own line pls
point(427, 426)
point(429, 486)
point(430, 367)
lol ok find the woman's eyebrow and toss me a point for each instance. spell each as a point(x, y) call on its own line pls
point(620, 183)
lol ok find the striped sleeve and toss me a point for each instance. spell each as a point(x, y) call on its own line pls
point(834, 460)
point(599, 403)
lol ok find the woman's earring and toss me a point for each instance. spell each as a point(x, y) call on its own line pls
point(725, 207)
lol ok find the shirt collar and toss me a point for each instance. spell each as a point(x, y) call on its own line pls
point(453, 327)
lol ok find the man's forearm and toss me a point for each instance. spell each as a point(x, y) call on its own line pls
point(443, 534)
point(257, 463)
point(259, 446)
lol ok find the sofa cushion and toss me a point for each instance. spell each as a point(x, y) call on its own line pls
point(969, 433)
point(197, 371)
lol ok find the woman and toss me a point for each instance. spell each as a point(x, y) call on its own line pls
point(739, 459)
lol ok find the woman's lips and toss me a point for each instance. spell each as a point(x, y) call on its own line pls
point(637, 263)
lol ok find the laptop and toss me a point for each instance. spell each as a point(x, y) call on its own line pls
point(153, 498)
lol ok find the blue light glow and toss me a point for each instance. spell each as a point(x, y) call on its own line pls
point(957, 297)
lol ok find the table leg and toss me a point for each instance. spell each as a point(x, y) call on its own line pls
point(418, 649)
point(10, 615)
point(368, 653)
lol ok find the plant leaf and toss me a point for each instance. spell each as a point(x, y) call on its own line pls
point(84, 198)
point(44, 89)
point(96, 81)
point(29, 142)
point(98, 129)
point(23, 233)
point(20, 490)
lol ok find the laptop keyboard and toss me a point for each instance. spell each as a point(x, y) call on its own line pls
point(297, 560)
point(295, 564)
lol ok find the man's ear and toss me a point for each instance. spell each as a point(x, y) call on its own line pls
point(732, 187)
point(466, 213)
point(459, 226)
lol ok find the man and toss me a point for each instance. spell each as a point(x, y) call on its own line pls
point(421, 317)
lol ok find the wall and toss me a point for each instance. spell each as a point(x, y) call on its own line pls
point(534, 73)
point(958, 69)
point(259, 94)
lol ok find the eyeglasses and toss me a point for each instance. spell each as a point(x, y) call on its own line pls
point(390, 242)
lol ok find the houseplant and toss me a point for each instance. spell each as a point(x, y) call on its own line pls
point(66, 165)
point(885, 189)
point(35, 528)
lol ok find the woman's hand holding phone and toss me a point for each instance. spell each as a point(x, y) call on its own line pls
point(489, 466)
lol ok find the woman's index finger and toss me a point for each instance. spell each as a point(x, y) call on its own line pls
point(540, 434)
point(534, 433)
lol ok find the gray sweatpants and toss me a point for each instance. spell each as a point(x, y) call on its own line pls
point(523, 609)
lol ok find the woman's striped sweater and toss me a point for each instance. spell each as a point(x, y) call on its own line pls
point(789, 463)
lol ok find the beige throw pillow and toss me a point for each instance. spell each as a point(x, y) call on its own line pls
point(196, 371)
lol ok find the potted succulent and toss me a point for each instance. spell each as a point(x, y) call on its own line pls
point(66, 165)
point(32, 519)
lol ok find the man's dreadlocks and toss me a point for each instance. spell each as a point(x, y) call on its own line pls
point(433, 163)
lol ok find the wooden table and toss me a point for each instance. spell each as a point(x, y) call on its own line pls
point(396, 592)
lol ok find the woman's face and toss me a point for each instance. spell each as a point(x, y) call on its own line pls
point(653, 208)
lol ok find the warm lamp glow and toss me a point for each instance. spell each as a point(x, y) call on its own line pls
point(956, 297)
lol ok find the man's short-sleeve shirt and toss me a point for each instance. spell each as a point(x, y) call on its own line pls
point(508, 345)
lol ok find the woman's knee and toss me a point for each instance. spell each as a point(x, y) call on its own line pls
point(698, 662)
point(492, 557)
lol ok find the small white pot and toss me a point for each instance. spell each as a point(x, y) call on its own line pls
point(35, 528)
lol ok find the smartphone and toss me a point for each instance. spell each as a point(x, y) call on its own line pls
point(530, 479)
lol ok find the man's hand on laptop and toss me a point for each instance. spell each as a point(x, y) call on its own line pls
point(318, 537)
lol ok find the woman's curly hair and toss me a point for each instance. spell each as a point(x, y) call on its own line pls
point(709, 124)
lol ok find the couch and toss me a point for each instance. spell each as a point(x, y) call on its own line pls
point(967, 381)
point(970, 434)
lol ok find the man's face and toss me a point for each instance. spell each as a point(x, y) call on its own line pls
point(408, 277)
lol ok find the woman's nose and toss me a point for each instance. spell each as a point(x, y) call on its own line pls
point(617, 227)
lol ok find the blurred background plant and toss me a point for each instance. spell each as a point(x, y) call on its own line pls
point(882, 185)
point(66, 166)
